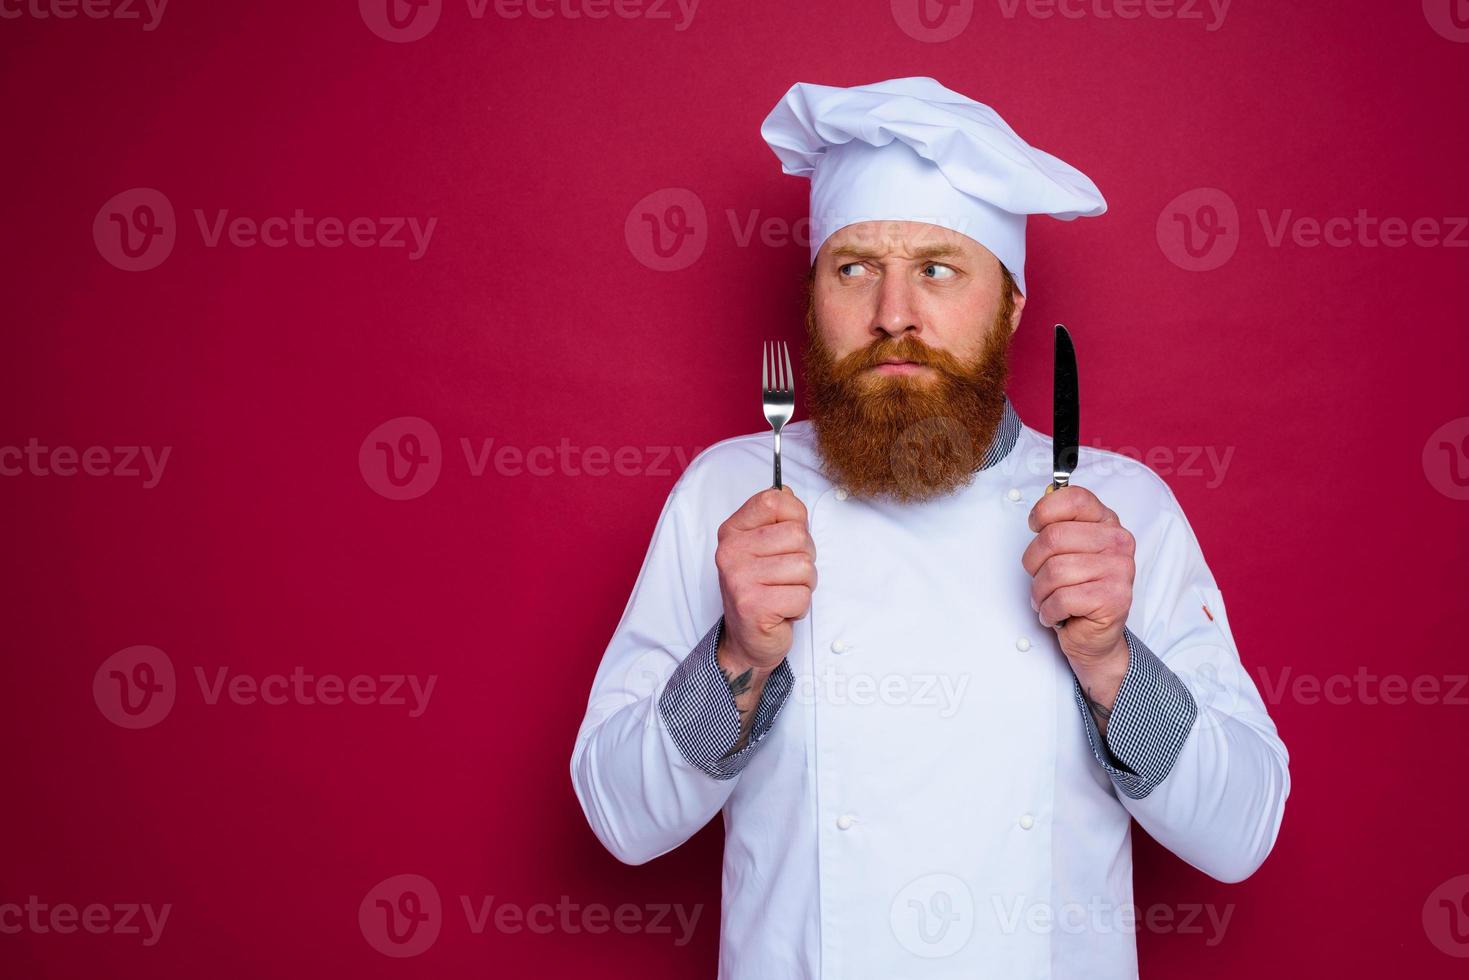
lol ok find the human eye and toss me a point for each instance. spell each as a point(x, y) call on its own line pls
point(856, 267)
point(940, 271)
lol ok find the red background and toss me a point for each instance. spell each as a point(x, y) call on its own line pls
point(531, 320)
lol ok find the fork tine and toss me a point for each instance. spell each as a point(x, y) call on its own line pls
point(765, 367)
point(790, 385)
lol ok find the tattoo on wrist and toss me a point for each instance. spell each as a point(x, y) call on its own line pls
point(738, 683)
point(1100, 711)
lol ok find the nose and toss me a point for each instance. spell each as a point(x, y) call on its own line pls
point(896, 311)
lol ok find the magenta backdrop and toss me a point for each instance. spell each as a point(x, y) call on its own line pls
point(1298, 382)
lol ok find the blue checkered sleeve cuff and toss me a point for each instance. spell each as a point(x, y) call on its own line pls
point(700, 713)
point(1150, 721)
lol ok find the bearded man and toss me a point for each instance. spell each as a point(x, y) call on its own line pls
point(928, 698)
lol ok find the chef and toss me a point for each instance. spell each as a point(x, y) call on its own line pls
point(927, 697)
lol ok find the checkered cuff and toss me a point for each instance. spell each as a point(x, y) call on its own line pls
point(700, 713)
point(1150, 721)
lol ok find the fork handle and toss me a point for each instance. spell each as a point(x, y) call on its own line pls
point(777, 459)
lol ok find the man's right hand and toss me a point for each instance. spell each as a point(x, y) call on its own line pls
point(767, 571)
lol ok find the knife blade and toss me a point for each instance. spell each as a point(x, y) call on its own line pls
point(1066, 422)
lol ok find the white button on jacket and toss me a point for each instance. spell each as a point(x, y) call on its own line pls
point(992, 841)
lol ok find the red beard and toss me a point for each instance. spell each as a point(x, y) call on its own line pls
point(906, 438)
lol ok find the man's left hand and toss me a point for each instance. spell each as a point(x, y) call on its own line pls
point(1081, 565)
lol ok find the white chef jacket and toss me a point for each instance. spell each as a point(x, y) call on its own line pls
point(924, 793)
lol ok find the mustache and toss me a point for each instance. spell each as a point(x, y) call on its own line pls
point(906, 348)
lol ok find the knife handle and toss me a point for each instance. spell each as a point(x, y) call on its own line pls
point(1051, 487)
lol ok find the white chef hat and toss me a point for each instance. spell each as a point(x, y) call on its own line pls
point(909, 149)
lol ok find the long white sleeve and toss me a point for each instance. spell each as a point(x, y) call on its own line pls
point(650, 766)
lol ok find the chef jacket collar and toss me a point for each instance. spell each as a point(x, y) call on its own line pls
point(1004, 438)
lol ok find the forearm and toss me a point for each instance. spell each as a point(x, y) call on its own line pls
point(746, 685)
point(1100, 682)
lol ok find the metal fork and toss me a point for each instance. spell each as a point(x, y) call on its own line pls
point(778, 399)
